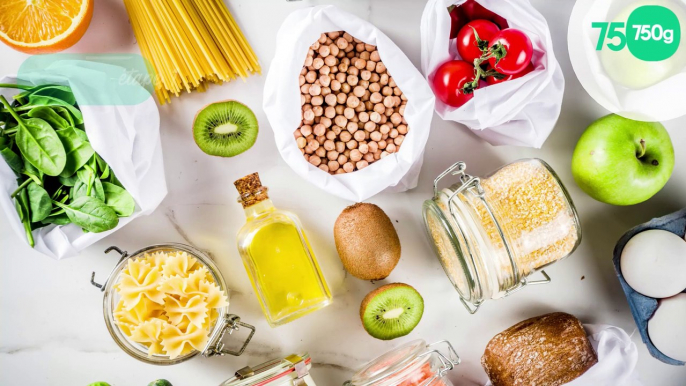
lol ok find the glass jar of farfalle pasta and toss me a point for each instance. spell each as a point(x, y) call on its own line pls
point(167, 303)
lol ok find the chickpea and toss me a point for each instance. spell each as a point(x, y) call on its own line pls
point(388, 101)
point(318, 63)
point(364, 55)
point(331, 100)
point(339, 109)
point(333, 49)
point(320, 152)
point(343, 68)
point(399, 140)
point(345, 88)
point(360, 135)
point(340, 147)
point(375, 117)
point(341, 98)
point(358, 91)
point(353, 101)
point(363, 148)
point(345, 136)
point(333, 165)
point(303, 100)
point(305, 88)
point(402, 129)
point(325, 70)
point(366, 75)
point(391, 82)
point(330, 135)
point(376, 136)
point(315, 89)
point(361, 64)
point(383, 80)
point(317, 101)
point(371, 66)
point(375, 98)
point(387, 91)
point(353, 71)
point(332, 155)
point(324, 51)
point(379, 108)
point(363, 116)
point(318, 111)
point(382, 144)
point(329, 112)
point(370, 126)
point(302, 142)
point(355, 155)
point(384, 129)
point(373, 147)
point(361, 165)
point(340, 77)
point(351, 144)
point(331, 62)
point(391, 148)
point(396, 118)
point(375, 56)
point(375, 88)
point(335, 85)
point(394, 133)
point(360, 46)
point(340, 171)
point(348, 167)
point(341, 43)
point(311, 76)
point(349, 113)
point(352, 127)
point(380, 68)
point(319, 130)
point(308, 61)
point(342, 159)
point(375, 78)
point(352, 80)
point(364, 84)
point(308, 115)
point(334, 35)
point(315, 160)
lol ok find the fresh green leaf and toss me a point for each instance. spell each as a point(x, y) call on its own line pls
point(30, 169)
point(99, 384)
point(160, 382)
point(49, 115)
point(39, 202)
point(90, 214)
point(44, 100)
point(78, 151)
point(63, 93)
point(81, 190)
point(119, 199)
point(65, 114)
point(13, 160)
point(57, 219)
point(41, 146)
point(69, 181)
point(23, 200)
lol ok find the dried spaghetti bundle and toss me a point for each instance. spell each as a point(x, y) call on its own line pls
point(190, 43)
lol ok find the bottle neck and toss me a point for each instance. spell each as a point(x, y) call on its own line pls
point(258, 209)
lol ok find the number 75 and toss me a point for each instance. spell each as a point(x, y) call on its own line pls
point(615, 31)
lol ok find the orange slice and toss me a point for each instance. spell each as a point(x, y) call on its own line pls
point(43, 26)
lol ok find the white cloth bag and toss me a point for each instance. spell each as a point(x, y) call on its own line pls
point(520, 112)
point(617, 358)
point(127, 137)
point(397, 172)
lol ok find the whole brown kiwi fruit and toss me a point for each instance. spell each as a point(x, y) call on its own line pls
point(367, 242)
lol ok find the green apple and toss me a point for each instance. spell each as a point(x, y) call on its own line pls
point(623, 162)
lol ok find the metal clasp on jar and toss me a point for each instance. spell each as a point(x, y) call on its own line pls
point(449, 361)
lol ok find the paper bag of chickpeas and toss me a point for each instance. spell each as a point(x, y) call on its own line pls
point(350, 113)
point(503, 52)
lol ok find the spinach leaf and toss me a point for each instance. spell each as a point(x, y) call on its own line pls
point(119, 199)
point(49, 115)
point(78, 151)
point(44, 100)
point(22, 203)
point(69, 181)
point(39, 202)
point(90, 214)
point(13, 160)
point(80, 189)
point(65, 114)
point(41, 146)
point(31, 170)
point(57, 219)
point(63, 93)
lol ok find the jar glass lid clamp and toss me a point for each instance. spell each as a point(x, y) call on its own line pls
point(229, 323)
point(473, 184)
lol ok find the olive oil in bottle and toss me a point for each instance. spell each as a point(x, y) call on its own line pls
point(278, 258)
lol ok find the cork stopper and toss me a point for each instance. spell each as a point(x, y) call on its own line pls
point(251, 190)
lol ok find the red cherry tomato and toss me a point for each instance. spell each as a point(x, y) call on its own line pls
point(491, 80)
point(449, 79)
point(467, 45)
point(457, 20)
point(474, 11)
point(518, 51)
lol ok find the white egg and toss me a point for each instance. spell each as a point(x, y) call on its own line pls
point(654, 263)
point(666, 328)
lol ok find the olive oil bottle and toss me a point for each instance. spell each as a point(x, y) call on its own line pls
point(278, 258)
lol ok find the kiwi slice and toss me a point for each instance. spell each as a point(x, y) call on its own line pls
point(225, 129)
point(391, 311)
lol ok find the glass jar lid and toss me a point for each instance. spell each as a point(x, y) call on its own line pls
point(295, 367)
point(396, 365)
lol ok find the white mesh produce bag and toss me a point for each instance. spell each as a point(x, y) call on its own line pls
point(127, 137)
point(396, 172)
point(519, 112)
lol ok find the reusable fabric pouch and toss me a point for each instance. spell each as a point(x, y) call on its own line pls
point(520, 112)
point(396, 172)
point(126, 136)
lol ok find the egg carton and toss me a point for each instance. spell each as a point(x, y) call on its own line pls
point(643, 307)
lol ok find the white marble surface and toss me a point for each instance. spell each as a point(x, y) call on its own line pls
point(51, 325)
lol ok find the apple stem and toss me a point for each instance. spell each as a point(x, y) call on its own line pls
point(643, 149)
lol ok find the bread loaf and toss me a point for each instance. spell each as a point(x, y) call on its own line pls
point(547, 350)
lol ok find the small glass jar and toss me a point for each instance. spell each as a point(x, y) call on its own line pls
point(413, 364)
point(491, 234)
point(225, 322)
point(293, 370)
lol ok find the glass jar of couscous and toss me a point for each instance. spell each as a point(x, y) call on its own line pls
point(492, 233)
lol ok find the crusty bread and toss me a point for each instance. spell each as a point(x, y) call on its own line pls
point(547, 350)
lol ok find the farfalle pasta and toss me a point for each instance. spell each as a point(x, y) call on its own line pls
point(168, 301)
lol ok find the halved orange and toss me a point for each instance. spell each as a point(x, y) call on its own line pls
point(43, 26)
